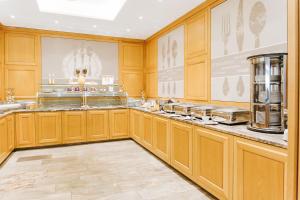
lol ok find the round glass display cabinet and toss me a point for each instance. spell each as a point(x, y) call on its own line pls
point(268, 92)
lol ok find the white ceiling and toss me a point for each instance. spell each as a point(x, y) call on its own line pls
point(137, 18)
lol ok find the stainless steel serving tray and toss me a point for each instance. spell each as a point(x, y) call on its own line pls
point(169, 107)
point(202, 111)
point(231, 116)
point(183, 109)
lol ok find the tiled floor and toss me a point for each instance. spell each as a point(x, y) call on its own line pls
point(112, 170)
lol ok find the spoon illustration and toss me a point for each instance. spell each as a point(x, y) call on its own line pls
point(257, 21)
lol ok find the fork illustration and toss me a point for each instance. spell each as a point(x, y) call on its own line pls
point(225, 31)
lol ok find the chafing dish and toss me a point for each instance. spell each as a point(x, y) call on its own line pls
point(202, 111)
point(183, 109)
point(230, 116)
point(169, 107)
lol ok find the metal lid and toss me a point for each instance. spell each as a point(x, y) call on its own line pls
point(266, 55)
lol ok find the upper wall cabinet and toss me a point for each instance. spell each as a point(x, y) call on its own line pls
point(151, 56)
point(20, 49)
point(131, 67)
point(196, 35)
point(132, 56)
point(1, 64)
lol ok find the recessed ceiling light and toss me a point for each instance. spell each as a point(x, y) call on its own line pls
point(160, 1)
point(128, 30)
point(56, 22)
point(141, 17)
point(12, 16)
point(94, 26)
point(105, 9)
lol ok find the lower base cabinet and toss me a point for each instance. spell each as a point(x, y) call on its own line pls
point(182, 147)
point(74, 126)
point(136, 129)
point(10, 121)
point(259, 171)
point(213, 162)
point(48, 128)
point(25, 130)
point(162, 139)
point(97, 125)
point(119, 124)
point(3, 139)
point(147, 125)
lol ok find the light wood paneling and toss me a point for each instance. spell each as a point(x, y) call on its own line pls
point(119, 123)
point(151, 56)
point(48, 128)
point(151, 84)
point(136, 130)
point(213, 162)
point(25, 130)
point(20, 49)
point(74, 126)
point(162, 138)
point(133, 82)
point(131, 61)
point(17, 78)
point(3, 140)
point(182, 147)
point(147, 131)
point(197, 79)
point(10, 120)
point(97, 125)
point(259, 171)
point(22, 63)
point(196, 35)
point(1, 64)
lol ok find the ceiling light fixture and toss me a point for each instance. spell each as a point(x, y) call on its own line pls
point(141, 17)
point(128, 30)
point(94, 26)
point(104, 9)
point(12, 16)
point(56, 22)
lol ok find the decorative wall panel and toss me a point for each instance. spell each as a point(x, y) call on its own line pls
point(171, 64)
point(241, 28)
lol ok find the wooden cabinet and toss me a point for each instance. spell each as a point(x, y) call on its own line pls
point(10, 121)
point(131, 61)
point(213, 162)
point(259, 171)
point(74, 126)
point(119, 123)
point(196, 35)
point(1, 65)
point(25, 130)
point(182, 147)
point(151, 84)
point(162, 138)
point(136, 130)
point(97, 125)
point(48, 128)
point(197, 79)
point(22, 63)
point(3, 139)
point(147, 131)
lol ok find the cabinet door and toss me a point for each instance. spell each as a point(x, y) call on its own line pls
point(119, 124)
point(147, 131)
point(161, 137)
point(25, 130)
point(181, 147)
point(74, 126)
point(259, 171)
point(196, 35)
point(48, 128)
point(3, 139)
point(136, 125)
point(133, 82)
point(213, 161)
point(10, 120)
point(196, 79)
point(97, 125)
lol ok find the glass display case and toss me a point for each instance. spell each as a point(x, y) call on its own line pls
point(268, 92)
point(81, 95)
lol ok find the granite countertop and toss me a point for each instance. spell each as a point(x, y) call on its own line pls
point(61, 108)
point(236, 130)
